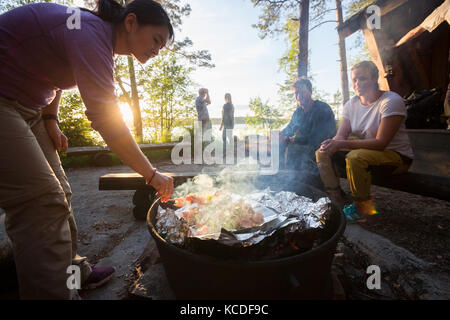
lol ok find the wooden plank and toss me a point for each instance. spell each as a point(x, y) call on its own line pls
point(358, 20)
point(134, 181)
point(411, 182)
point(80, 151)
point(376, 56)
point(417, 183)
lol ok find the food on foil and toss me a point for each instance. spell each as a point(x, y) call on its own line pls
point(209, 214)
point(247, 219)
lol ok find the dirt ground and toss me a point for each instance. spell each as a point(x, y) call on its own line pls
point(418, 224)
point(109, 234)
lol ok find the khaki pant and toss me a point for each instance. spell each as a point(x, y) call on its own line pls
point(357, 163)
point(35, 194)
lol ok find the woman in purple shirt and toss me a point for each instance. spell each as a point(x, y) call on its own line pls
point(44, 50)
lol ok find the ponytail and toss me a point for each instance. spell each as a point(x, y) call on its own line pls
point(148, 12)
point(110, 10)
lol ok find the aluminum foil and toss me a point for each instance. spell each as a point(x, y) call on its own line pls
point(281, 210)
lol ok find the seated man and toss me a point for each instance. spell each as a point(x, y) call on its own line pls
point(312, 122)
point(377, 119)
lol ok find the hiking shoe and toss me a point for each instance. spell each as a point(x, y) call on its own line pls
point(98, 277)
point(352, 215)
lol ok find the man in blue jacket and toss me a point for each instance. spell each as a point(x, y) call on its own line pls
point(312, 122)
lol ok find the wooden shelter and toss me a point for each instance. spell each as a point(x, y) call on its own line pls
point(421, 63)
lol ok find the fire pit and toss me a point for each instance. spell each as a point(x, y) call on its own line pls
point(301, 276)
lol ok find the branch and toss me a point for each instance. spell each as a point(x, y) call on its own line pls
point(321, 14)
point(125, 92)
point(271, 2)
point(321, 24)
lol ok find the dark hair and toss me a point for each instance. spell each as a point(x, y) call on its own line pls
point(302, 81)
point(231, 102)
point(146, 11)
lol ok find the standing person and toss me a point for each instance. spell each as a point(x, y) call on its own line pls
point(377, 118)
point(40, 56)
point(201, 104)
point(227, 124)
point(312, 122)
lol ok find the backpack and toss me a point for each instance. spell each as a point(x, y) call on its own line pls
point(424, 110)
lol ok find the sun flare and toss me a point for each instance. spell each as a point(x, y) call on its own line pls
point(126, 114)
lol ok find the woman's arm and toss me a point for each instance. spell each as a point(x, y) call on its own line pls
point(128, 151)
point(223, 114)
point(386, 131)
point(344, 130)
point(51, 125)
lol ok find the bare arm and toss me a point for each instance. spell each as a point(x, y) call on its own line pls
point(128, 151)
point(221, 123)
point(387, 130)
point(343, 130)
point(51, 125)
point(53, 107)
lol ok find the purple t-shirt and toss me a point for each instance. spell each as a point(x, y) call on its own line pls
point(39, 54)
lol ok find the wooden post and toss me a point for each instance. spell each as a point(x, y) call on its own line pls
point(376, 55)
point(342, 54)
point(137, 121)
point(303, 39)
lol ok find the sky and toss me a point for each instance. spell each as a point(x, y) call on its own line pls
point(245, 65)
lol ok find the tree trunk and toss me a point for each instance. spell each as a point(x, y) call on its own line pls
point(135, 108)
point(342, 54)
point(303, 39)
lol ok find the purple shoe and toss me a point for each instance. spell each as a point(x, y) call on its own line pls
point(98, 277)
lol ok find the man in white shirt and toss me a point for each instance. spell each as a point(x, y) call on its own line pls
point(377, 119)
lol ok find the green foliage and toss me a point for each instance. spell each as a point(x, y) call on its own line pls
point(164, 104)
point(73, 122)
point(265, 115)
point(356, 5)
point(359, 43)
point(167, 94)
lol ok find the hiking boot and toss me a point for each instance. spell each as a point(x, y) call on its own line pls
point(98, 277)
point(352, 215)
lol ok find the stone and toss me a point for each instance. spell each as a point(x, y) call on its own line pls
point(383, 252)
point(153, 285)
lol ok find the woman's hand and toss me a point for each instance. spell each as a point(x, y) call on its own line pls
point(164, 185)
point(58, 138)
point(330, 146)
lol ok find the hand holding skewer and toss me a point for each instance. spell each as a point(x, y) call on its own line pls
point(163, 184)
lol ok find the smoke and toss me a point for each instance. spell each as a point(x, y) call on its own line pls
point(237, 179)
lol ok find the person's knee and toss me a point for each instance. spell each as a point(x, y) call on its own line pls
point(321, 156)
point(356, 157)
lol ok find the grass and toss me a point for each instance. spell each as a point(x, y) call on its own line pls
point(86, 161)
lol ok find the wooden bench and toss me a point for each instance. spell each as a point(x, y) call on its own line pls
point(145, 194)
point(429, 175)
point(100, 156)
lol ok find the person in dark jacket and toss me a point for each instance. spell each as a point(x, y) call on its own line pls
point(312, 123)
point(227, 123)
